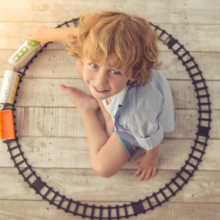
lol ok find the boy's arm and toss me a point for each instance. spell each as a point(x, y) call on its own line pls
point(108, 120)
point(106, 115)
point(44, 35)
point(60, 34)
point(154, 153)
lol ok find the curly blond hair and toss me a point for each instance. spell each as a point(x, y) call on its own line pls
point(112, 32)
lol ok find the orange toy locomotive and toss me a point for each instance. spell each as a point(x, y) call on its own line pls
point(7, 125)
point(7, 95)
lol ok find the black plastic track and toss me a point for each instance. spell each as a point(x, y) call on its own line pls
point(163, 194)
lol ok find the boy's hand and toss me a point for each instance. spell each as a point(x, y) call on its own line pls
point(81, 100)
point(39, 33)
point(147, 167)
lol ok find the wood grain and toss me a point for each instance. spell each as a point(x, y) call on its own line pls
point(55, 64)
point(206, 36)
point(55, 122)
point(169, 211)
point(52, 134)
point(169, 11)
point(86, 185)
point(47, 152)
point(46, 93)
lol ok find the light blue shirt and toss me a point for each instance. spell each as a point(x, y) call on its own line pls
point(142, 114)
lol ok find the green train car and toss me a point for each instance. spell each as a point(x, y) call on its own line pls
point(24, 54)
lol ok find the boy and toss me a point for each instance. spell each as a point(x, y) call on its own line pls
point(117, 57)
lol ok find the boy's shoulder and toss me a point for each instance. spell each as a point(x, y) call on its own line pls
point(147, 97)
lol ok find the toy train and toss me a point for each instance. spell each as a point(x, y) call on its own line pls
point(24, 54)
point(7, 96)
point(10, 84)
point(9, 87)
point(7, 131)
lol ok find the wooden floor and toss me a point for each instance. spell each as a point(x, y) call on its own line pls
point(52, 134)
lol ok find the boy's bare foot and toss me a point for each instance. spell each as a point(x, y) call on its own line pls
point(80, 99)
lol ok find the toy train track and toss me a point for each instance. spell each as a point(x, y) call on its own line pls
point(164, 194)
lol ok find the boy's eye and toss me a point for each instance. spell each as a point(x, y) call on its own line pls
point(96, 66)
point(116, 73)
point(93, 65)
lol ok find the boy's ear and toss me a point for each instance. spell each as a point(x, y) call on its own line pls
point(131, 75)
point(132, 78)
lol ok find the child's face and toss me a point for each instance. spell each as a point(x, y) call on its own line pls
point(102, 76)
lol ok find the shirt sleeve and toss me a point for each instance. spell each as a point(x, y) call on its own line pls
point(146, 129)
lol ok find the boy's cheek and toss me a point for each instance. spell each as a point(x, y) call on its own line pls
point(88, 75)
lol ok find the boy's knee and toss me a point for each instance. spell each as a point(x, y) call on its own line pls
point(101, 171)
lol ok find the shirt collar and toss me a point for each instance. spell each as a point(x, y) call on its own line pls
point(118, 99)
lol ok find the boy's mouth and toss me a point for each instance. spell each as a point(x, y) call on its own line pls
point(99, 90)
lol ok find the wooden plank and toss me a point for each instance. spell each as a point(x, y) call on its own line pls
point(182, 20)
point(17, 210)
point(45, 125)
point(58, 64)
point(183, 33)
point(74, 153)
point(55, 122)
point(46, 93)
point(188, 11)
point(48, 64)
point(208, 63)
point(206, 36)
point(86, 185)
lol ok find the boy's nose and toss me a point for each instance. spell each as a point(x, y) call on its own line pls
point(101, 79)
